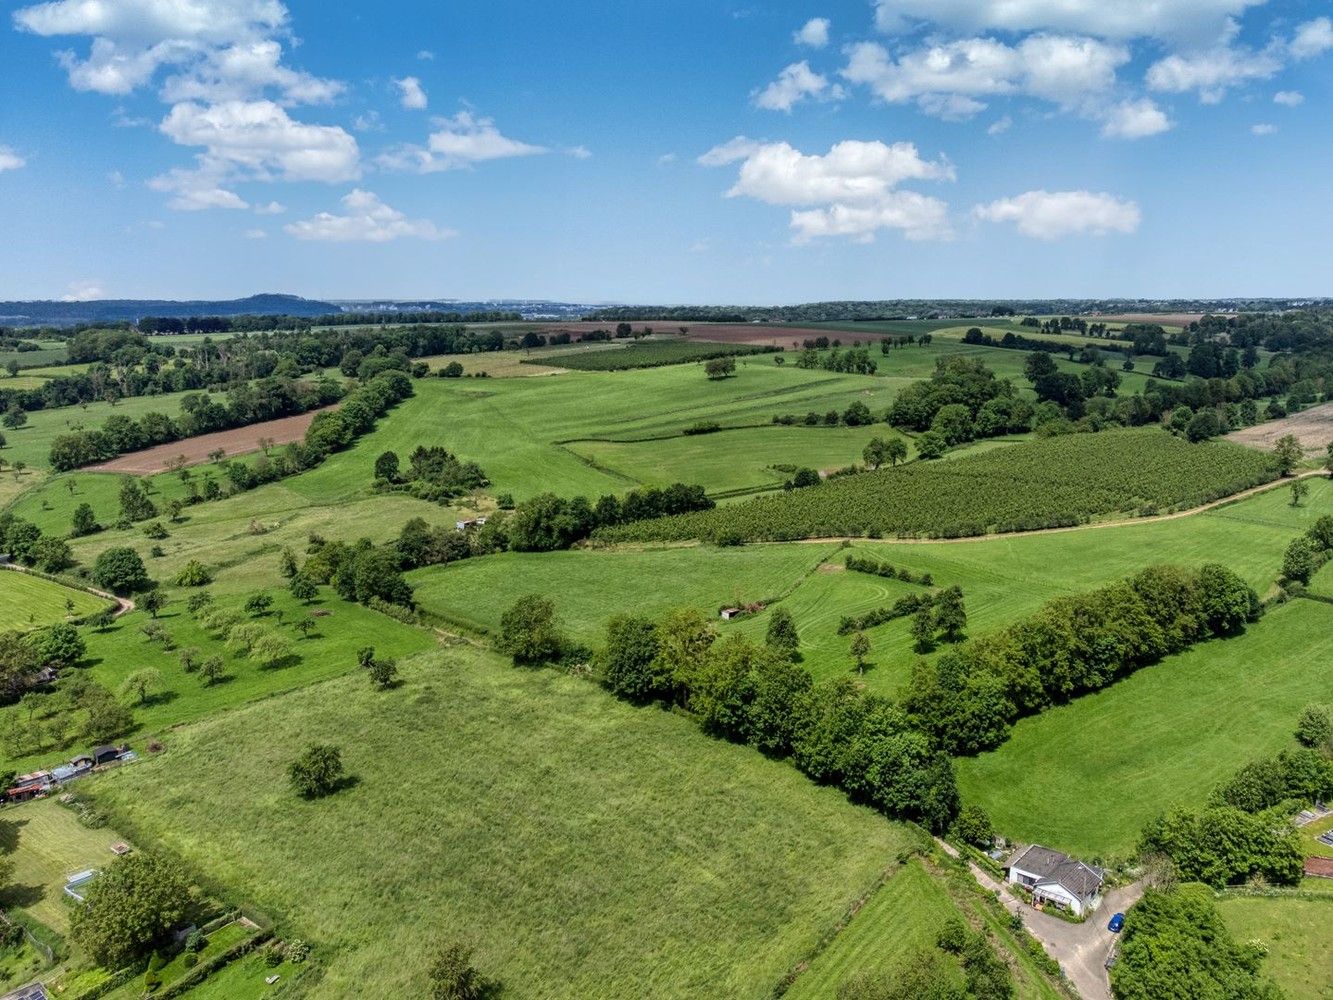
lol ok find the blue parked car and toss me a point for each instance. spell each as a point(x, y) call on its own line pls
point(1117, 922)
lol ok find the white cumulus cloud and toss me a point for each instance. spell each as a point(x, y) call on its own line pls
point(84, 291)
point(814, 33)
point(1135, 120)
point(850, 191)
point(365, 219)
point(1051, 215)
point(411, 94)
point(1289, 98)
point(1212, 72)
point(794, 84)
point(1312, 38)
point(1172, 20)
point(1263, 128)
point(10, 160)
point(458, 142)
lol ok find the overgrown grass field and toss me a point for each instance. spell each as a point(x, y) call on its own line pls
point(1296, 934)
point(583, 846)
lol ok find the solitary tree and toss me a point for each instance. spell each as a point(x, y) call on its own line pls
point(782, 634)
point(1289, 453)
point(530, 632)
point(1315, 726)
point(719, 368)
point(1299, 490)
point(876, 453)
point(860, 650)
point(896, 451)
point(85, 521)
point(305, 626)
point(452, 976)
point(287, 563)
point(141, 682)
point(258, 605)
point(212, 670)
point(129, 907)
point(153, 602)
point(318, 771)
point(383, 673)
point(120, 570)
point(303, 588)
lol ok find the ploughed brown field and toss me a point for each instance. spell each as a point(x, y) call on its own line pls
point(196, 450)
point(1312, 427)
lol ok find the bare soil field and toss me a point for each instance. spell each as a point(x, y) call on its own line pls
point(195, 450)
point(1312, 427)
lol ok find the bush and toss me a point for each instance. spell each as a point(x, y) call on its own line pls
point(193, 574)
point(121, 571)
point(318, 771)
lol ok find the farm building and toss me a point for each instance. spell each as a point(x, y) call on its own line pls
point(1057, 879)
point(729, 613)
point(105, 755)
point(469, 523)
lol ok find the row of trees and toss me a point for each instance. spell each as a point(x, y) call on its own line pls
point(246, 404)
point(548, 522)
point(834, 731)
point(969, 697)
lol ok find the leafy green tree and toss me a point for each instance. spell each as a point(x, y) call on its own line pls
point(782, 634)
point(973, 826)
point(383, 673)
point(860, 650)
point(720, 368)
point(453, 977)
point(1300, 489)
point(153, 602)
point(950, 614)
point(1298, 562)
point(1315, 726)
point(132, 904)
point(134, 502)
point(684, 638)
point(530, 631)
point(896, 451)
point(120, 570)
point(931, 445)
point(386, 467)
point(141, 683)
point(18, 662)
point(53, 555)
point(193, 574)
point(58, 645)
point(85, 521)
point(305, 626)
point(287, 563)
point(212, 670)
point(625, 664)
point(1288, 451)
point(257, 605)
point(923, 630)
point(189, 659)
point(303, 588)
point(318, 771)
point(875, 453)
point(270, 648)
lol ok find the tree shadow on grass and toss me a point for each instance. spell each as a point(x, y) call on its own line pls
point(22, 896)
point(290, 660)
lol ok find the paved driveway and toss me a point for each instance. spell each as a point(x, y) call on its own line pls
point(1081, 949)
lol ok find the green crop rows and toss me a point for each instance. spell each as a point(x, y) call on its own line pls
point(652, 354)
point(1047, 483)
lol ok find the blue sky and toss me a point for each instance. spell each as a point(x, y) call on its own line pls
point(666, 152)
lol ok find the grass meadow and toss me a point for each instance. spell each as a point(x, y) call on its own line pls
point(1296, 934)
point(584, 847)
point(28, 601)
point(1085, 777)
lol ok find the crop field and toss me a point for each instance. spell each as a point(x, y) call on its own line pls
point(652, 354)
point(1043, 483)
point(527, 807)
point(52, 353)
point(1295, 933)
point(1111, 761)
point(1312, 427)
point(27, 601)
point(48, 844)
point(237, 441)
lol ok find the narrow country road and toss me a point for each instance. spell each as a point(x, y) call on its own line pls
point(123, 604)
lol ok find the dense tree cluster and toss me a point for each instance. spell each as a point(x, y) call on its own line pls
point(361, 571)
point(737, 690)
point(131, 906)
point(969, 697)
point(1176, 944)
point(25, 543)
point(548, 522)
point(1308, 552)
point(432, 473)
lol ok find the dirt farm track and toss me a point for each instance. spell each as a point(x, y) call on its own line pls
point(195, 450)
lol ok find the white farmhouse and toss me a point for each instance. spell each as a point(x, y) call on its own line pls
point(1057, 879)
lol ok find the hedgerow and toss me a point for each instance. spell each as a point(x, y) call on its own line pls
point(1054, 482)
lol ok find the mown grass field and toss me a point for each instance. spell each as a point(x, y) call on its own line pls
point(902, 918)
point(1085, 777)
point(48, 844)
point(28, 601)
point(734, 460)
point(516, 428)
point(583, 846)
point(1296, 934)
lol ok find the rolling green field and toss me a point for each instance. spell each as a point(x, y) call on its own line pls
point(1296, 934)
point(1041, 483)
point(1111, 761)
point(517, 429)
point(654, 353)
point(28, 601)
point(583, 846)
point(733, 460)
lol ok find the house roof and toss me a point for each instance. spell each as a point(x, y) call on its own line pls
point(1052, 866)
